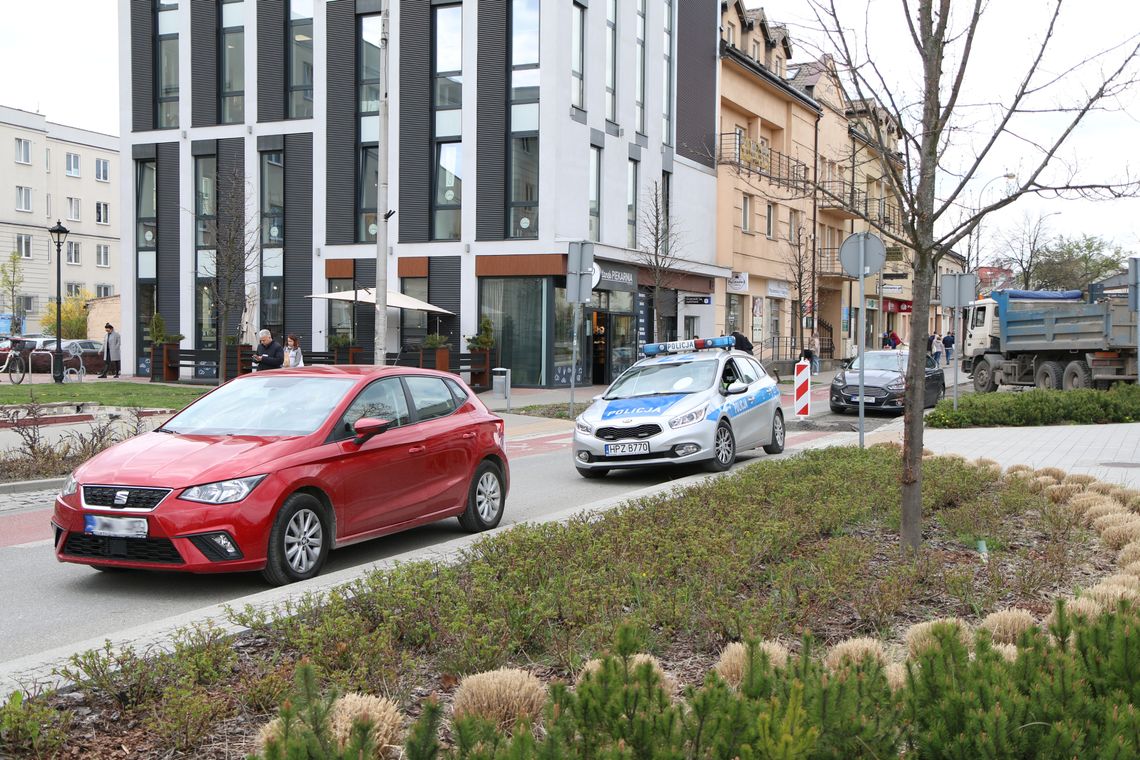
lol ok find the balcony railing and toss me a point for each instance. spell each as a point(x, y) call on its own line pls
point(752, 157)
point(842, 196)
point(828, 264)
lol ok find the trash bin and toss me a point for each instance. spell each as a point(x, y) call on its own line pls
point(500, 382)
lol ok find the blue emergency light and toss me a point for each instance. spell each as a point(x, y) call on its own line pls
point(678, 346)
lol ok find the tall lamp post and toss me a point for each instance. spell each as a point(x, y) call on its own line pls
point(59, 235)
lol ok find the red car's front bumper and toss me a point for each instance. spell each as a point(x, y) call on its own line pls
point(181, 535)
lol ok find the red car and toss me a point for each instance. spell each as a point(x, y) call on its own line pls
point(272, 470)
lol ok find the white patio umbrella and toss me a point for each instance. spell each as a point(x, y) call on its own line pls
point(249, 311)
point(395, 300)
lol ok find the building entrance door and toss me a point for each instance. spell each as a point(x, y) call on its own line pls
point(614, 345)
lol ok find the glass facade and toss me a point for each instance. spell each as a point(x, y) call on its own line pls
point(413, 323)
point(300, 61)
point(447, 106)
point(146, 241)
point(639, 70)
point(206, 215)
point(522, 201)
point(595, 193)
point(368, 134)
point(631, 204)
point(667, 78)
point(341, 315)
point(166, 65)
point(272, 240)
point(517, 309)
point(232, 59)
point(611, 59)
point(577, 56)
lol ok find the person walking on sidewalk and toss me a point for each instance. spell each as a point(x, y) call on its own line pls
point(948, 344)
point(112, 351)
point(936, 348)
point(814, 346)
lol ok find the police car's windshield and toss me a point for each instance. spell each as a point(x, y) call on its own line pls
point(662, 379)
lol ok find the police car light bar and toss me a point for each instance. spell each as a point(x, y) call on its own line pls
point(677, 346)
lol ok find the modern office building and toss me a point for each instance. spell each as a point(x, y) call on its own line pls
point(516, 127)
point(52, 171)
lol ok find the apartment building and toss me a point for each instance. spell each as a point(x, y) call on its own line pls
point(516, 127)
point(52, 171)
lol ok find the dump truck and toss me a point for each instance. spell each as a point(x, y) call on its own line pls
point(1049, 339)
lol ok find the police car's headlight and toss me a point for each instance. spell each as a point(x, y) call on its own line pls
point(583, 427)
point(689, 418)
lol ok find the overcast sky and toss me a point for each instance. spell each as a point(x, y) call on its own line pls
point(62, 61)
point(1104, 148)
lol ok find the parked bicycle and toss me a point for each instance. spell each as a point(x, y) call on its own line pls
point(14, 363)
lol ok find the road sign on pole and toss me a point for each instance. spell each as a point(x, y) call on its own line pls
point(579, 287)
point(802, 402)
point(958, 290)
point(860, 255)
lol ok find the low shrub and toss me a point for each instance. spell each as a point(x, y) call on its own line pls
point(1006, 626)
point(1040, 407)
point(853, 652)
point(502, 697)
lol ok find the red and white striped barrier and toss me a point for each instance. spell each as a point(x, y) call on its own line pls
point(802, 403)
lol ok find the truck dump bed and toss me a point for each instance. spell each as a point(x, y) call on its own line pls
point(1031, 325)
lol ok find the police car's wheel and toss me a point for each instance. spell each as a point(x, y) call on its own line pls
point(724, 449)
point(591, 474)
point(778, 434)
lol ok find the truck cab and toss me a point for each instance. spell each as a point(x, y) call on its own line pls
point(983, 330)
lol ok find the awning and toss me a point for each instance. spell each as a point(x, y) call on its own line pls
point(395, 300)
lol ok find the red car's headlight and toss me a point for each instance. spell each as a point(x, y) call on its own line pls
point(222, 492)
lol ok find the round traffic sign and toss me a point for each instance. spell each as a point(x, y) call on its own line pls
point(874, 253)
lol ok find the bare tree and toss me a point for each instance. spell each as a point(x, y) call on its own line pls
point(1024, 246)
point(11, 280)
point(237, 247)
point(1075, 263)
point(658, 251)
point(797, 256)
point(917, 132)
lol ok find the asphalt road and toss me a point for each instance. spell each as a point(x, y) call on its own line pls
point(47, 604)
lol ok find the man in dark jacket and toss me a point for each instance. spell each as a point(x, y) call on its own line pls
point(948, 341)
point(272, 356)
point(742, 343)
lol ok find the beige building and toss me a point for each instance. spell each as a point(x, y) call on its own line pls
point(765, 152)
point(49, 172)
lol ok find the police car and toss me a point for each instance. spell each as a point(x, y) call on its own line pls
point(687, 401)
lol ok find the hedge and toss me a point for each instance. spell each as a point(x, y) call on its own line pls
point(1039, 407)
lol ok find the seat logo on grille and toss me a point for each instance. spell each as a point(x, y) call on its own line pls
point(121, 498)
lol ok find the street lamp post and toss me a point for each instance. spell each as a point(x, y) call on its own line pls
point(59, 235)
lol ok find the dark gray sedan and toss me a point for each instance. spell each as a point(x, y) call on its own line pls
point(884, 383)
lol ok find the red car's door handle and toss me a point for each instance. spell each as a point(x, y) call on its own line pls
point(417, 449)
point(469, 435)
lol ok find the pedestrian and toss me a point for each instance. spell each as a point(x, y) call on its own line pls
point(293, 356)
point(887, 339)
point(742, 343)
point(936, 348)
point(929, 344)
point(807, 355)
point(896, 341)
point(112, 351)
point(948, 343)
point(814, 346)
point(272, 355)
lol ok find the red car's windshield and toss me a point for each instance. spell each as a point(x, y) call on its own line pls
point(263, 405)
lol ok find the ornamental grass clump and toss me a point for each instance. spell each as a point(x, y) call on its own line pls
point(502, 697)
point(1132, 568)
point(896, 675)
point(1052, 472)
point(1008, 652)
point(1102, 488)
point(1006, 626)
point(1040, 482)
point(1108, 595)
point(1080, 503)
point(636, 662)
point(1105, 507)
point(733, 663)
point(1019, 469)
point(1113, 519)
point(1123, 579)
point(382, 714)
point(1119, 536)
point(1081, 607)
point(855, 652)
point(1079, 479)
point(1129, 554)
point(1060, 494)
point(922, 636)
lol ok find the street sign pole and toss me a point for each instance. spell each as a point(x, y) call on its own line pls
point(957, 359)
point(1134, 302)
point(862, 324)
point(579, 285)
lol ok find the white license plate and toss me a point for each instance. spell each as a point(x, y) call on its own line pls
point(621, 449)
point(866, 399)
point(118, 527)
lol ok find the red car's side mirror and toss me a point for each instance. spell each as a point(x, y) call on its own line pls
point(366, 427)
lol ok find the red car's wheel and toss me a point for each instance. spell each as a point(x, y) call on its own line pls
point(298, 542)
point(485, 499)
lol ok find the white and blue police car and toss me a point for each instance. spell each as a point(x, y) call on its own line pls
point(686, 401)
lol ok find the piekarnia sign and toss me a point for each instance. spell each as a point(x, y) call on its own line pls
point(617, 277)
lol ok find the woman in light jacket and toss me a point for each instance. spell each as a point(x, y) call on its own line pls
point(293, 357)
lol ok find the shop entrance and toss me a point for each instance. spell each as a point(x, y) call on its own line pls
point(614, 345)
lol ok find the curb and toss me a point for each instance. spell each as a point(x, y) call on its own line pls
point(24, 486)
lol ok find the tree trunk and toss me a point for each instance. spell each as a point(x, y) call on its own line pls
point(222, 317)
point(658, 322)
point(915, 407)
